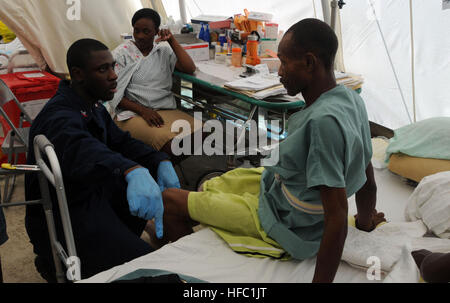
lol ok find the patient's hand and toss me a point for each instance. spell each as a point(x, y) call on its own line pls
point(152, 117)
point(371, 222)
point(164, 35)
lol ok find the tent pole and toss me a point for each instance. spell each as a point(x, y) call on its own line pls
point(182, 5)
point(390, 61)
point(326, 11)
point(329, 16)
point(333, 5)
point(412, 60)
point(314, 6)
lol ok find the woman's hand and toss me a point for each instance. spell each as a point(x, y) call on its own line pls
point(370, 223)
point(164, 35)
point(152, 117)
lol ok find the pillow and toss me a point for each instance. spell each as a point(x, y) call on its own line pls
point(430, 202)
point(415, 168)
point(428, 138)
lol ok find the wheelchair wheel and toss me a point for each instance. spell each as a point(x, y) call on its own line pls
point(207, 176)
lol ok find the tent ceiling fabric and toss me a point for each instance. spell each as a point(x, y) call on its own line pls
point(158, 6)
point(368, 44)
point(47, 32)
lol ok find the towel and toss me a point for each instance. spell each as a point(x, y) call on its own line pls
point(430, 202)
point(386, 243)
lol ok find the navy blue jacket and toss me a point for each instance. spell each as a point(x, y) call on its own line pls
point(93, 154)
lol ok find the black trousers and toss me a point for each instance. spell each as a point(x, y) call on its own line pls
point(105, 234)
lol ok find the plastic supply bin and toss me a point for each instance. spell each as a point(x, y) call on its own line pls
point(33, 89)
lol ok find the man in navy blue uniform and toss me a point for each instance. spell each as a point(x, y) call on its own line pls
point(113, 182)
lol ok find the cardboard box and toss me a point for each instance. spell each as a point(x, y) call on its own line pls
point(197, 51)
point(271, 31)
point(32, 89)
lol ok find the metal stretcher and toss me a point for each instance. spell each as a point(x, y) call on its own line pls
point(43, 147)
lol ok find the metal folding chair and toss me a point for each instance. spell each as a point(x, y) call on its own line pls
point(16, 140)
point(53, 175)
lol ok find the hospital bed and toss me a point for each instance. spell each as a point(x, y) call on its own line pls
point(205, 256)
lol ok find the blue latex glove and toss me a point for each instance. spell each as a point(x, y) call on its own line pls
point(167, 177)
point(144, 197)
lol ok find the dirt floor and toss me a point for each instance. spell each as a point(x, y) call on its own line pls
point(16, 254)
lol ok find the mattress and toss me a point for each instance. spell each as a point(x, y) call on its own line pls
point(205, 256)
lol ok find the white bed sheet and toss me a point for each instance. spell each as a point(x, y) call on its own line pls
point(205, 256)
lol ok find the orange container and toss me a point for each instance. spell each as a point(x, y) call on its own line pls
point(252, 52)
point(236, 57)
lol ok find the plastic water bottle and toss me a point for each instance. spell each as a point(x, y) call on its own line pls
point(206, 36)
point(201, 35)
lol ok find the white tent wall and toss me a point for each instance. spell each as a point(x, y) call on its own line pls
point(158, 6)
point(432, 56)
point(388, 88)
point(391, 98)
point(47, 28)
point(409, 89)
point(365, 53)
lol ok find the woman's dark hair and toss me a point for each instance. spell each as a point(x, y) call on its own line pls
point(147, 13)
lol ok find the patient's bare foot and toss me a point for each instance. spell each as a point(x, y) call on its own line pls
point(155, 243)
point(434, 267)
point(419, 255)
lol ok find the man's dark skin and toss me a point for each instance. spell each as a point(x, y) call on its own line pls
point(97, 81)
point(303, 72)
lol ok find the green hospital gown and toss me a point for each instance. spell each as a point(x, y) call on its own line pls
point(329, 144)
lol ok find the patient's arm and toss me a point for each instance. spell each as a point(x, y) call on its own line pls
point(184, 63)
point(367, 217)
point(334, 201)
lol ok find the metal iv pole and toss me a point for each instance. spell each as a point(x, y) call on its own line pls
point(330, 16)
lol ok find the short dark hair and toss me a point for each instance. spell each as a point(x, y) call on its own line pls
point(80, 51)
point(314, 35)
point(147, 13)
